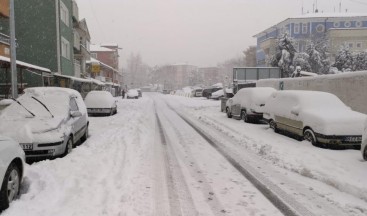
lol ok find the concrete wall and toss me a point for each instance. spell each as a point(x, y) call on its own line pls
point(351, 88)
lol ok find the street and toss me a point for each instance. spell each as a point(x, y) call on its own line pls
point(171, 155)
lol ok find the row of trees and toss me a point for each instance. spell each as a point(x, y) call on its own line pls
point(315, 58)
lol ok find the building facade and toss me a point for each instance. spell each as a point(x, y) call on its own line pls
point(338, 29)
point(44, 34)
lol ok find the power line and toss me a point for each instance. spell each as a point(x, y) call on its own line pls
point(97, 21)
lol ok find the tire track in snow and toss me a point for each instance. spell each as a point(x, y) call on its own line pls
point(197, 173)
point(181, 202)
point(285, 203)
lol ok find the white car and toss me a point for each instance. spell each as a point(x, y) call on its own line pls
point(46, 121)
point(132, 93)
point(218, 94)
point(319, 117)
point(364, 142)
point(100, 102)
point(11, 170)
point(247, 103)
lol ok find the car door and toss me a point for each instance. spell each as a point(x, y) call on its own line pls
point(77, 121)
point(235, 106)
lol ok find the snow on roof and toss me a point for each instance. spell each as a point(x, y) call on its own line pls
point(97, 81)
point(27, 65)
point(109, 45)
point(330, 15)
point(98, 48)
point(73, 78)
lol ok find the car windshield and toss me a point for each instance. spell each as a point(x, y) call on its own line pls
point(58, 106)
point(176, 107)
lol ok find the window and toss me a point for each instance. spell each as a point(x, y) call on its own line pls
point(296, 28)
point(359, 24)
point(359, 45)
point(94, 55)
point(347, 24)
point(64, 13)
point(7, 51)
point(350, 45)
point(336, 24)
point(73, 105)
point(320, 28)
point(304, 28)
point(65, 48)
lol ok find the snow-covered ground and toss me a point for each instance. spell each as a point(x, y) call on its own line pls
point(147, 161)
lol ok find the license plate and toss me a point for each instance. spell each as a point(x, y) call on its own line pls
point(353, 139)
point(27, 146)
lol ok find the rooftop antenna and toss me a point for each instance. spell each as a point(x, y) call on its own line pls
point(317, 10)
point(340, 6)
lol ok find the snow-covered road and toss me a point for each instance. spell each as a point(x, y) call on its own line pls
point(147, 160)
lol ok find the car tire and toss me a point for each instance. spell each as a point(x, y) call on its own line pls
point(365, 153)
point(309, 135)
point(244, 116)
point(229, 115)
point(10, 186)
point(273, 125)
point(85, 136)
point(68, 147)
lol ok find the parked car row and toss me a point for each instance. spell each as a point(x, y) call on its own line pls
point(318, 117)
point(44, 122)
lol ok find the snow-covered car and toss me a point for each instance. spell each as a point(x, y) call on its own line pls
point(218, 94)
point(46, 121)
point(364, 142)
point(11, 170)
point(319, 117)
point(198, 92)
point(132, 93)
point(247, 103)
point(208, 91)
point(100, 102)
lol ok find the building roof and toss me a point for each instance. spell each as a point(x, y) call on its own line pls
point(25, 65)
point(315, 16)
point(98, 48)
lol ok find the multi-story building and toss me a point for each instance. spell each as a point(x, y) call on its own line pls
point(44, 32)
point(4, 37)
point(339, 29)
point(108, 55)
point(81, 43)
point(175, 76)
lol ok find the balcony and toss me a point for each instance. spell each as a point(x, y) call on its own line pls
point(76, 40)
point(77, 68)
point(75, 11)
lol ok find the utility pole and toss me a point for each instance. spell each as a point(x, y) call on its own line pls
point(13, 55)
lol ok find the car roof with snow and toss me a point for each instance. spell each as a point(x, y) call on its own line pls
point(312, 99)
point(51, 90)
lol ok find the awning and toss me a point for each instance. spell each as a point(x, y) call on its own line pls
point(24, 65)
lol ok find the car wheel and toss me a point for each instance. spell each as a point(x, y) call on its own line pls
point(10, 186)
point(68, 147)
point(309, 135)
point(273, 125)
point(229, 115)
point(365, 153)
point(85, 136)
point(244, 116)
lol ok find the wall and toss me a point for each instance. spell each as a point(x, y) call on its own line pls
point(351, 88)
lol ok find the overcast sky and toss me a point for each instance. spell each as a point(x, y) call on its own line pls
point(198, 32)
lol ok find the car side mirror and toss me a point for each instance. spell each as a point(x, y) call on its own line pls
point(75, 114)
point(295, 111)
